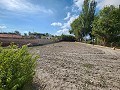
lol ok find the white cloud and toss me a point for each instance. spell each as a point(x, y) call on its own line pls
point(26, 32)
point(68, 16)
point(103, 3)
point(67, 25)
point(56, 24)
point(78, 3)
point(67, 7)
point(100, 3)
point(22, 6)
point(3, 26)
point(63, 31)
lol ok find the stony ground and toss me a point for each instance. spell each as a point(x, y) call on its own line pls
point(76, 66)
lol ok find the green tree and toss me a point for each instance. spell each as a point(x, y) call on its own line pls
point(76, 29)
point(106, 26)
point(47, 34)
point(87, 16)
point(17, 32)
point(67, 38)
point(82, 26)
point(29, 33)
point(25, 34)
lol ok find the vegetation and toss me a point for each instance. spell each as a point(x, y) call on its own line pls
point(76, 29)
point(103, 28)
point(87, 16)
point(17, 33)
point(16, 67)
point(83, 25)
point(13, 33)
point(67, 38)
point(106, 26)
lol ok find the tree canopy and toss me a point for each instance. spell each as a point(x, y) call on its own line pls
point(107, 25)
point(104, 26)
point(82, 26)
point(76, 29)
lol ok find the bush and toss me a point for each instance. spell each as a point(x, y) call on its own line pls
point(16, 67)
point(67, 38)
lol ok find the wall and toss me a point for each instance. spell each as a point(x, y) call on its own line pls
point(20, 42)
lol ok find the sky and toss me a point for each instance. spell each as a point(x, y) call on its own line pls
point(42, 16)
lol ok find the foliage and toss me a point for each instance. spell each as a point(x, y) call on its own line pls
point(67, 38)
point(16, 67)
point(82, 26)
point(87, 16)
point(76, 29)
point(17, 32)
point(13, 33)
point(106, 26)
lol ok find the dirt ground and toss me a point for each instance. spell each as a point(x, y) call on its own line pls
point(76, 66)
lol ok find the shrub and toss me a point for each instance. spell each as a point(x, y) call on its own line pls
point(16, 67)
point(67, 38)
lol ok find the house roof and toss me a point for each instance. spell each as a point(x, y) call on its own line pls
point(10, 36)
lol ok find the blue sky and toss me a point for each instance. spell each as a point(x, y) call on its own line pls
point(43, 16)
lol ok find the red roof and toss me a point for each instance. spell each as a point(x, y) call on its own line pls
point(10, 36)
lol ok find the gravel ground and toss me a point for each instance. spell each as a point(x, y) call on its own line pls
point(76, 66)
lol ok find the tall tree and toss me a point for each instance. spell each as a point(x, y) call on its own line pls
point(107, 26)
point(17, 32)
point(76, 29)
point(82, 26)
point(87, 15)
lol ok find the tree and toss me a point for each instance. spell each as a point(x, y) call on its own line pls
point(87, 16)
point(76, 29)
point(25, 34)
point(17, 32)
point(82, 26)
point(47, 34)
point(67, 38)
point(106, 26)
point(29, 33)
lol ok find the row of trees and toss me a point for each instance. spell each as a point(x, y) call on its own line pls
point(15, 32)
point(104, 26)
point(30, 34)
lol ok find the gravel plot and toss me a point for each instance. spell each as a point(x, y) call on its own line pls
point(76, 66)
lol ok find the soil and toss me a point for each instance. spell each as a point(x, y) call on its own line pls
point(76, 66)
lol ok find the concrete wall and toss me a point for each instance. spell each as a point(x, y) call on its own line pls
point(20, 42)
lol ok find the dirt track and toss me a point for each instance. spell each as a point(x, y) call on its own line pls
point(77, 66)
